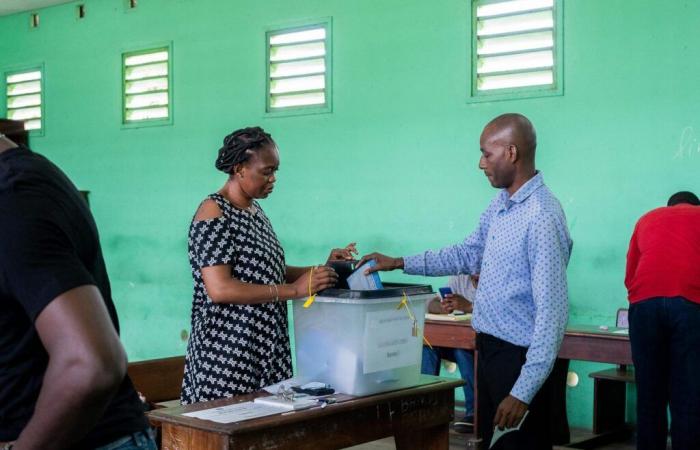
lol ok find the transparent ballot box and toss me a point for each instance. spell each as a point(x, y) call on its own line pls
point(362, 342)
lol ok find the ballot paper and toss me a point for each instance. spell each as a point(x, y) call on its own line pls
point(236, 412)
point(358, 281)
point(497, 434)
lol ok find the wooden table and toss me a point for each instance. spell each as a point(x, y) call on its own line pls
point(581, 342)
point(417, 417)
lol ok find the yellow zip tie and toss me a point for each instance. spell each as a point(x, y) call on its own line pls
point(404, 303)
point(425, 339)
point(311, 298)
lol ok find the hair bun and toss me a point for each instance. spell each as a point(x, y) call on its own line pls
point(238, 146)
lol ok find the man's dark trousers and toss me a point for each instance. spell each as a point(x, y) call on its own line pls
point(499, 365)
point(665, 338)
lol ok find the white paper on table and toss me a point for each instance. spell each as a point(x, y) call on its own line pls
point(389, 342)
point(288, 384)
point(497, 434)
point(623, 331)
point(235, 413)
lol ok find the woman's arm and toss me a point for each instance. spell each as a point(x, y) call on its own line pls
point(221, 288)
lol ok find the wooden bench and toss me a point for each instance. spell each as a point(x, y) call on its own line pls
point(158, 380)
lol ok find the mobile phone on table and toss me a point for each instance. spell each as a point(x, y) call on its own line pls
point(445, 291)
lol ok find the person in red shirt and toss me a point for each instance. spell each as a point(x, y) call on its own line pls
point(663, 284)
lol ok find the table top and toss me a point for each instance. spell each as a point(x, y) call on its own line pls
point(345, 403)
point(571, 330)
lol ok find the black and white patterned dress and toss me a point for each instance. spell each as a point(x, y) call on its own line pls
point(235, 349)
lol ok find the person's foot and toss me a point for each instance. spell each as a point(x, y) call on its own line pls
point(465, 425)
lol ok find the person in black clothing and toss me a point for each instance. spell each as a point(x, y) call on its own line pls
point(63, 382)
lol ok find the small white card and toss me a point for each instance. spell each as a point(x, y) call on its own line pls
point(497, 434)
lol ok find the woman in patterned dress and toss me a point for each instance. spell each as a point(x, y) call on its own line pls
point(239, 341)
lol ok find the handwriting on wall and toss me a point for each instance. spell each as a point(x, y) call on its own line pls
point(689, 144)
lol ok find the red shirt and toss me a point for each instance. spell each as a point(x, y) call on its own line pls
point(664, 255)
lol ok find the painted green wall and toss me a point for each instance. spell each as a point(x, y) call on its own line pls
point(394, 166)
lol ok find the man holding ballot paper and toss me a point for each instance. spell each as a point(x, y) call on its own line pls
point(520, 248)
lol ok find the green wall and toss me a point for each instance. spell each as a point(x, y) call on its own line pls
point(393, 167)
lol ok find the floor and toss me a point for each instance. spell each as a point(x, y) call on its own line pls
point(459, 442)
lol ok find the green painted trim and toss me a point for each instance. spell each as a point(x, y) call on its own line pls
point(15, 69)
point(143, 50)
point(557, 87)
point(273, 30)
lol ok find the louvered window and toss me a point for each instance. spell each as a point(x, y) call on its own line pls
point(147, 91)
point(299, 68)
point(25, 98)
point(515, 47)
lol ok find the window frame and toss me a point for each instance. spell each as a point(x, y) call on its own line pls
point(516, 93)
point(143, 50)
point(327, 23)
point(14, 70)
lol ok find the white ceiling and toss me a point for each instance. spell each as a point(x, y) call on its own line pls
point(8, 7)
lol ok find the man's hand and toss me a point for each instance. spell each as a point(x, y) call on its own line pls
point(383, 262)
point(453, 302)
point(509, 413)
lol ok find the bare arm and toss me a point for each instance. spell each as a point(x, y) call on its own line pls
point(87, 363)
point(223, 288)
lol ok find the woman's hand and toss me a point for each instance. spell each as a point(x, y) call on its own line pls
point(343, 254)
point(322, 277)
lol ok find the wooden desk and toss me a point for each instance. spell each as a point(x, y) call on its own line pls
point(417, 417)
point(581, 342)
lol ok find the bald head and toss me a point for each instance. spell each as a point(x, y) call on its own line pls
point(508, 145)
point(513, 129)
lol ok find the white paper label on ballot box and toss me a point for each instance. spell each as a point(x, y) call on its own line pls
point(389, 343)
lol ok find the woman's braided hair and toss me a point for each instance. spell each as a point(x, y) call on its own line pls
point(239, 145)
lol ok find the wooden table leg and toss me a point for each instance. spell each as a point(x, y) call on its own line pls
point(431, 438)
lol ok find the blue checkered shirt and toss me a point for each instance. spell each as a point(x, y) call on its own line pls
point(521, 248)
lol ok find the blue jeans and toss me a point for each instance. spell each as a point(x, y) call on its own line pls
point(665, 338)
point(142, 440)
point(465, 362)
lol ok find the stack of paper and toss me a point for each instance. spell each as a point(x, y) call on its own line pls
point(448, 317)
point(284, 404)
